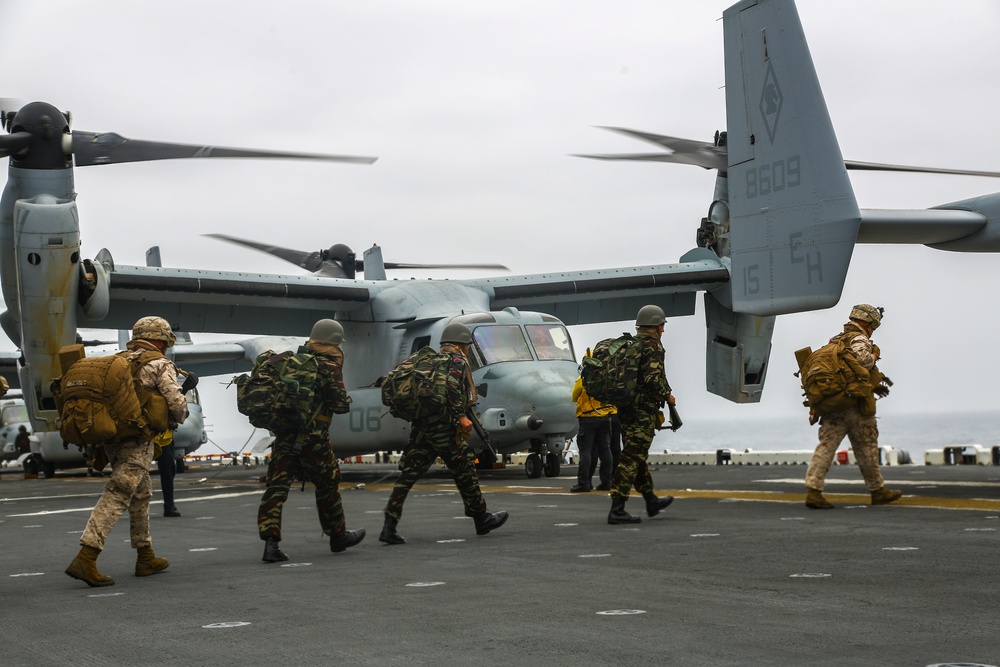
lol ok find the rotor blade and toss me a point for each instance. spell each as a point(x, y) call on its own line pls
point(90, 148)
point(687, 151)
point(875, 166)
point(682, 151)
point(403, 265)
point(309, 261)
point(676, 158)
point(12, 144)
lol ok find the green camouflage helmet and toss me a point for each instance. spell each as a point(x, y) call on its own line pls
point(456, 332)
point(153, 328)
point(327, 331)
point(650, 316)
point(866, 313)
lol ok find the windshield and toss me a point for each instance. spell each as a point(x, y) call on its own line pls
point(551, 341)
point(501, 343)
point(14, 413)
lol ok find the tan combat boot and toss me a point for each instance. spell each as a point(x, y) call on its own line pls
point(84, 568)
point(885, 496)
point(147, 563)
point(816, 501)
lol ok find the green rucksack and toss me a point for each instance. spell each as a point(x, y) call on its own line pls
point(418, 387)
point(610, 373)
point(833, 379)
point(279, 393)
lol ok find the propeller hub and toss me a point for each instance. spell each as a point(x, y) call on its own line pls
point(47, 127)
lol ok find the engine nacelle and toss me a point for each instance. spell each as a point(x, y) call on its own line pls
point(47, 251)
point(986, 239)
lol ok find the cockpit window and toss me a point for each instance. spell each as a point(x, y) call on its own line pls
point(13, 414)
point(551, 341)
point(501, 343)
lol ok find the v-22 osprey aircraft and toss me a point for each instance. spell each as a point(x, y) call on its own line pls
point(778, 239)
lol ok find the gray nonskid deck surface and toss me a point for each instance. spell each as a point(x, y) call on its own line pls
point(711, 581)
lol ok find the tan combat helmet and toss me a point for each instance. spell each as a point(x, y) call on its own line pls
point(153, 328)
point(457, 333)
point(864, 312)
point(650, 316)
point(328, 331)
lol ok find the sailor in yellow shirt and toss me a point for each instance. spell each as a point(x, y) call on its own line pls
point(593, 439)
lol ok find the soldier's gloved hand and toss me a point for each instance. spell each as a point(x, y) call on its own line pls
point(881, 391)
point(190, 382)
point(660, 419)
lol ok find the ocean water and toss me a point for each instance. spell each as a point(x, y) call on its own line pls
point(914, 433)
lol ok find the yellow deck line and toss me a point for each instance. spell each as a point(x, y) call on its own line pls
point(840, 499)
point(750, 496)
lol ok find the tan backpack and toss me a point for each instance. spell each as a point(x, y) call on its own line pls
point(832, 378)
point(97, 401)
point(100, 399)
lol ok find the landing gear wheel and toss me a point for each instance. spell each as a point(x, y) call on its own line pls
point(181, 465)
point(533, 466)
point(31, 466)
point(552, 463)
point(48, 469)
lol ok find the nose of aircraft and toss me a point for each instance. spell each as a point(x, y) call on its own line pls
point(535, 398)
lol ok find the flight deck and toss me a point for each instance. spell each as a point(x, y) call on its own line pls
point(736, 572)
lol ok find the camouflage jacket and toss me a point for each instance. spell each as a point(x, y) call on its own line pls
point(160, 375)
point(860, 344)
point(329, 389)
point(652, 388)
point(460, 389)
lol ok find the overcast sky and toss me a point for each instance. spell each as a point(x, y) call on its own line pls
point(473, 109)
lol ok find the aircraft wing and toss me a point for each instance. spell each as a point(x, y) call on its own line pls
point(226, 302)
point(229, 357)
point(609, 295)
point(931, 227)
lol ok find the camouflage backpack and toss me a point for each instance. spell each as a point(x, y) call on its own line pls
point(833, 380)
point(97, 401)
point(278, 394)
point(610, 373)
point(418, 387)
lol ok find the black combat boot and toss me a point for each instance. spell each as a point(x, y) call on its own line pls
point(389, 534)
point(272, 552)
point(345, 540)
point(618, 514)
point(654, 504)
point(486, 522)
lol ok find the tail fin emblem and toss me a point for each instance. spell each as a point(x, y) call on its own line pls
point(770, 102)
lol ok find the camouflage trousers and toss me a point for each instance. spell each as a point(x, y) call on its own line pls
point(427, 443)
point(637, 428)
point(317, 462)
point(128, 488)
point(863, 434)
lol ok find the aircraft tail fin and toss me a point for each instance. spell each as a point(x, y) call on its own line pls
point(793, 217)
